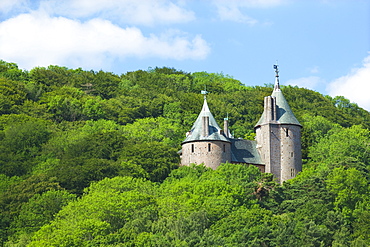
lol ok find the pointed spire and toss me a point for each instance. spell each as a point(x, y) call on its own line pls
point(284, 114)
point(205, 127)
point(277, 85)
point(205, 105)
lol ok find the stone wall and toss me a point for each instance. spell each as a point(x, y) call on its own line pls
point(268, 143)
point(211, 153)
point(291, 154)
point(280, 148)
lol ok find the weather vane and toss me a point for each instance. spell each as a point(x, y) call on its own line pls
point(276, 68)
point(204, 92)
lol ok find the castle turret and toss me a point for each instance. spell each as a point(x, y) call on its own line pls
point(206, 142)
point(278, 136)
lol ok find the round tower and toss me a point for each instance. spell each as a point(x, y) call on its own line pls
point(206, 142)
point(291, 155)
point(278, 136)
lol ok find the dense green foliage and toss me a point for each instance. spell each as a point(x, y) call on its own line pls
point(90, 159)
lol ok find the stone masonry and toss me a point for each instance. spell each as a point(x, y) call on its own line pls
point(276, 150)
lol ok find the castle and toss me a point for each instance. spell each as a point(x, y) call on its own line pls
point(276, 149)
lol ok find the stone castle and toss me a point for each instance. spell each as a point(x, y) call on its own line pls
point(276, 149)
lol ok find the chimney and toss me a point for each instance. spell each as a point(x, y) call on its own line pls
point(226, 127)
point(273, 108)
point(205, 126)
point(270, 109)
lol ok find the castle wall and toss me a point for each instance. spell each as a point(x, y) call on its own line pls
point(280, 148)
point(211, 153)
point(291, 154)
point(275, 150)
point(268, 144)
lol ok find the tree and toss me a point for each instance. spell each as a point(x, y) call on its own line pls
point(16, 193)
point(105, 84)
point(347, 146)
point(11, 93)
point(105, 215)
point(5, 217)
point(215, 82)
point(12, 72)
point(350, 188)
point(86, 154)
point(243, 227)
point(66, 131)
point(314, 129)
point(155, 130)
point(361, 224)
point(20, 145)
point(64, 104)
point(189, 189)
point(157, 159)
point(38, 211)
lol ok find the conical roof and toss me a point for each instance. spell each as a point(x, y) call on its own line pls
point(284, 115)
point(195, 134)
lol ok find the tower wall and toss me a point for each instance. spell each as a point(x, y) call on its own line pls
point(291, 154)
point(280, 148)
point(268, 144)
point(211, 153)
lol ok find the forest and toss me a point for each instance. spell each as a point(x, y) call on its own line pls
point(89, 158)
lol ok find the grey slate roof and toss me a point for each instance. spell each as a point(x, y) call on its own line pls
point(284, 114)
point(245, 151)
point(195, 134)
point(242, 151)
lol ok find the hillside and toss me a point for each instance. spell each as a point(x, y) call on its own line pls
point(90, 158)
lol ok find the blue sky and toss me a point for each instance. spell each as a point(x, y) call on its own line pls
point(322, 45)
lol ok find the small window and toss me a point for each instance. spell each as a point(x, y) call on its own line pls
point(209, 147)
point(224, 148)
point(286, 132)
point(192, 148)
point(292, 172)
point(292, 154)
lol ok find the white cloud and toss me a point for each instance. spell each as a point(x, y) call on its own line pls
point(355, 86)
point(36, 39)
point(252, 3)
point(143, 12)
point(310, 82)
point(314, 70)
point(8, 5)
point(230, 10)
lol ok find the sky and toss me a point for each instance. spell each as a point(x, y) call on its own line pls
point(323, 45)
